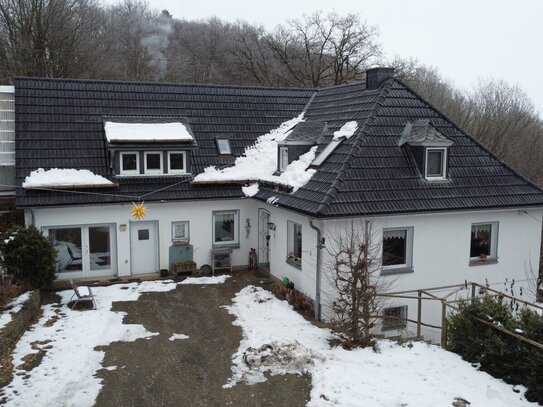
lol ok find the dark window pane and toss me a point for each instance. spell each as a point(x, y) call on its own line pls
point(176, 162)
point(129, 162)
point(297, 241)
point(394, 247)
point(99, 247)
point(143, 234)
point(480, 240)
point(224, 227)
point(434, 164)
point(153, 161)
point(395, 317)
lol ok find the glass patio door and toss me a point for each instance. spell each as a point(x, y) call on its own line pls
point(83, 251)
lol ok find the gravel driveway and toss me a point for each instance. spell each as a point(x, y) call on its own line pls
point(188, 372)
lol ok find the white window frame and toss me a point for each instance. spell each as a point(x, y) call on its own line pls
point(391, 324)
point(176, 171)
point(443, 175)
point(129, 172)
point(408, 265)
point(159, 171)
point(493, 255)
point(222, 151)
point(283, 163)
point(291, 229)
point(179, 238)
point(234, 242)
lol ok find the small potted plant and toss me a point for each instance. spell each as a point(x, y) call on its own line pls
point(483, 256)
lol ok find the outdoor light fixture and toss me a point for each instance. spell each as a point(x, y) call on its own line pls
point(271, 226)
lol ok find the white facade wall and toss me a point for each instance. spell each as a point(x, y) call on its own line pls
point(198, 213)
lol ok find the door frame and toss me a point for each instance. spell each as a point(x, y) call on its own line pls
point(265, 266)
point(157, 245)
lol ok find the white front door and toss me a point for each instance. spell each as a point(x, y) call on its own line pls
point(144, 247)
point(263, 239)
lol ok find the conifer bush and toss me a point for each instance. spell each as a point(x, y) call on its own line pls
point(498, 353)
point(28, 256)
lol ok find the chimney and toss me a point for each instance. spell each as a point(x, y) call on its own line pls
point(376, 76)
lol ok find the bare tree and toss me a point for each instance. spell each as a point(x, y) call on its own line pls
point(354, 265)
point(315, 51)
point(51, 38)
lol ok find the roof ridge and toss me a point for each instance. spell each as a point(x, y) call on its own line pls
point(159, 83)
point(332, 191)
point(465, 133)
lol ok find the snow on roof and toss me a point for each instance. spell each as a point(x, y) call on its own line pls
point(146, 132)
point(259, 163)
point(64, 178)
point(347, 130)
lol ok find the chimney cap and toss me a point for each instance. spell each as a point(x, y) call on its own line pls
point(376, 76)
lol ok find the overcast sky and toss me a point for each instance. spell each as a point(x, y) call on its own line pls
point(467, 40)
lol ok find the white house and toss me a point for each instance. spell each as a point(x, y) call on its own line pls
point(274, 169)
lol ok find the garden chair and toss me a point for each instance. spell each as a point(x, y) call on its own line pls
point(80, 296)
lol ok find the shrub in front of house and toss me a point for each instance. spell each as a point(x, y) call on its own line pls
point(28, 256)
point(498, 353)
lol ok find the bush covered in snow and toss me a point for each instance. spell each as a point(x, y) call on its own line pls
point(498, 353)
point(28, 256)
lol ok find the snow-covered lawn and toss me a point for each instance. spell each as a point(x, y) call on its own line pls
point(277, 340)
point(66, 338)
point(12, 308)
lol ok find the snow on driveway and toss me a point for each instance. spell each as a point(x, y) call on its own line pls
point(277, 340)
point(66, 374)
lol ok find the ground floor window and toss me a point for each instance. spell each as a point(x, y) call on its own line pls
point(226, 227)
point(395, 317)
point(180, 231)
point(397, 248)
point(294, 244)
point(82, 248)
point(484, 241)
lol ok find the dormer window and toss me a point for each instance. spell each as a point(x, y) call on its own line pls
point(436, 163)
point(153, 162)
point(177, 162)
point(223, 146)
point(429, 148)
point(130, 163)
point(283, 158)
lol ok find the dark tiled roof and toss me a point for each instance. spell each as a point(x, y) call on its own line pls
point(420, 131)
point(59, 125)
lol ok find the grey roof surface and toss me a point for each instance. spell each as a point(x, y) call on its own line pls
point(421, 131)
point(309, 132)
point(59, 124)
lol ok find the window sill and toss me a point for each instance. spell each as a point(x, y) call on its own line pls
point(226, 245)
point(394, 327)
point(400, 270)
point(294, 264)
point(478, 262)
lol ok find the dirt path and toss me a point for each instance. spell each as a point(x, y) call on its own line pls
point(188, 372)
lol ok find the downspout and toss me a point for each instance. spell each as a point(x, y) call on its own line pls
point(320, 246)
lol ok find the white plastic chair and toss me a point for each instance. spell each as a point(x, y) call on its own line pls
point(82, 297)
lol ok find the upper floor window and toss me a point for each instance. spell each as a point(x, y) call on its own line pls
point(223, 145)
point(177, 162)
point(130, 163)
point(283, 158)
point(436, 159)
point(153, 163)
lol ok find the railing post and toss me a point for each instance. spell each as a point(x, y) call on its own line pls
point(419, 314)
point(472, 293)
point(443, 324)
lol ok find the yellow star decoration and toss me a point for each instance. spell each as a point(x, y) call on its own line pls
point(138, 210)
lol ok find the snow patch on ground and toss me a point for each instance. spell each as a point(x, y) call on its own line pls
point(205, 280)
point(347, 130)
point(259, 162)
point(12, 308)
point(63, 177)
point(277, 340)
point(177, 336)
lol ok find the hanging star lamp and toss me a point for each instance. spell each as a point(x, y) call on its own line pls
point(138, 210)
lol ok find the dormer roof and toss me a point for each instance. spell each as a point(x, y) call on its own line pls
point(422, 133)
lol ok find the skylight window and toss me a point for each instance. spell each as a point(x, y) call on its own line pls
point(223, 145)
point(326, 152)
